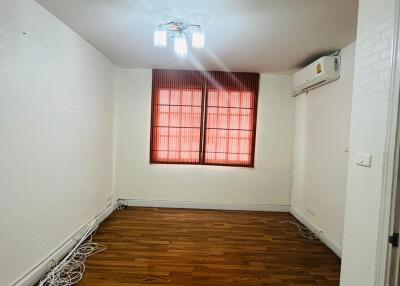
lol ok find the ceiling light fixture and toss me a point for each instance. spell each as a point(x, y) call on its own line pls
point(179, 30)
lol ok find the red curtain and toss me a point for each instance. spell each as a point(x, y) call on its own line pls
point(183, 101)
point(231, 118)
point(177, 116)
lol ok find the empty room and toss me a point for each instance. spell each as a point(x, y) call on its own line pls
point(213, 142)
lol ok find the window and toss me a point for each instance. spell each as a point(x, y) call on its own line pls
point(230, 128)
point(177, 125)
point(203, 118)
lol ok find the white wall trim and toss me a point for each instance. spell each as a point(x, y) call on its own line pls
point(390, 164)
point(33, 275)
point(327, 240)
point(206, 205)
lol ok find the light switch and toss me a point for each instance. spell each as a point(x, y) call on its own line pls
point(364, 160)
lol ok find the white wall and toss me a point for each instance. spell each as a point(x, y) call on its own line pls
point(55, 135)
point(368, 132)
point(264, 187)
point(321, 153)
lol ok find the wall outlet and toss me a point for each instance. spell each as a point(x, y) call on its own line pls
point(364, 160)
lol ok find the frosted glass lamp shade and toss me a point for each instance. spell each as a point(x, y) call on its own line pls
point(180, 45)
point(198, 39)
point(160, 37)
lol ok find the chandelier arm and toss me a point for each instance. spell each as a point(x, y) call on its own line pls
point(179, 26)
point(193, 26)
point(164, 25)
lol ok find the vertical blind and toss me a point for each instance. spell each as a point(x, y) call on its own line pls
point(203, 117)
point(177, 116)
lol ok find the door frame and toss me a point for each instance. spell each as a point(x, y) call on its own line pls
point(390, 190)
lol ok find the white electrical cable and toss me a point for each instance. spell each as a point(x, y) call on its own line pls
point(70, 270)
point(121, 205)
point(303, 231)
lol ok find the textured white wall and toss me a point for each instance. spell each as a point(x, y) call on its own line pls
point(321, 144)
point(55, 135)
point(267, 184)
point(367, 134)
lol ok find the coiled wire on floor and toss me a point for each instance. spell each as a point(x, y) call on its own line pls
point(71, 269)
point(304, 231)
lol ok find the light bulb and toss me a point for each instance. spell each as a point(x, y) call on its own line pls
point(198, 39)
point(160, 37)
point(180, 45)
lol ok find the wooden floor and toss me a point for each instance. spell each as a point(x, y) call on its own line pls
point(150, 246)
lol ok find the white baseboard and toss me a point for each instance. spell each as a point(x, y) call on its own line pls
point(33, 275)
point(328, 241)
point(206, 205)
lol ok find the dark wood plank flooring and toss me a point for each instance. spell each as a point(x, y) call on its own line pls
point(152, 246)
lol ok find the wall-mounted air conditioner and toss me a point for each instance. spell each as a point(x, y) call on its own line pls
point(322, 71)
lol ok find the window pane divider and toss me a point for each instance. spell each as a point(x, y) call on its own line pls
point(203, 125)
point(179, 127)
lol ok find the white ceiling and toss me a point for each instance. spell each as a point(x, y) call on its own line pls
point(241, 35)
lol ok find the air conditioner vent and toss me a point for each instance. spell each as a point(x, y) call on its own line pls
point(320, 72)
